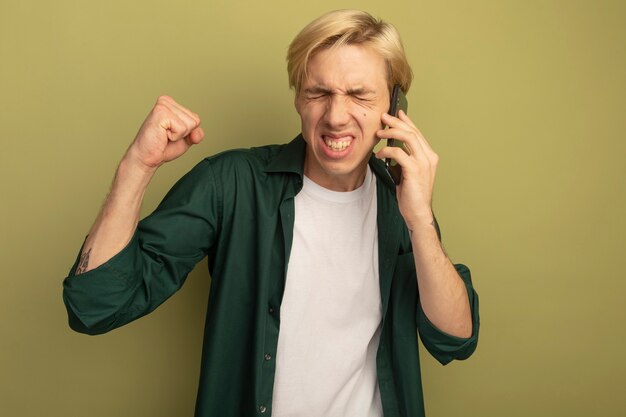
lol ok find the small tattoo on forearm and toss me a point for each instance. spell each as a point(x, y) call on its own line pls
point(83, 263)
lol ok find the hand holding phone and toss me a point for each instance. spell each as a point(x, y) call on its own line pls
point(398, 102)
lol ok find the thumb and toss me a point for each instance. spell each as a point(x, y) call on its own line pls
point(196, 136)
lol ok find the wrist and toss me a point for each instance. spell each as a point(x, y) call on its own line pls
point(131, 166)
point(420, 222)
point(131, 181)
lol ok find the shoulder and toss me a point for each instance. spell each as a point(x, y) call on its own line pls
point(229, 163)
point(234, 171)
point(240, 160)
point(232, 162)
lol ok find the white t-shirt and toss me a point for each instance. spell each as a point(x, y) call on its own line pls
point(331, 310)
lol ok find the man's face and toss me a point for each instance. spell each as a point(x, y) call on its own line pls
point(340, 105)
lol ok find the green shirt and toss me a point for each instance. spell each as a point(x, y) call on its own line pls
point(237, 208)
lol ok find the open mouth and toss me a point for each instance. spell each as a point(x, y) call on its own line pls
point(337, 144)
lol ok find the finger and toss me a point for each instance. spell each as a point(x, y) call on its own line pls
point(395, 133)
point(391, 121)
point(400, 121)
point(174, 127)
point(184, 110)
point(409, 138)
point(416, 151)
point(422, 139)
point(175, 149)
point(420, 169)
point(196, 136)
point(173, 104)
point(401, 125)
point(191, 119)
point(395, 153)
point(408, 126)
point(406, 164)
point(165, 118)
point(406, 119)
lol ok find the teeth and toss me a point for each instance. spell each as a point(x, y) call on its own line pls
point(337, 145)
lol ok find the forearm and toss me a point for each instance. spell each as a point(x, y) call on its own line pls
point(167, 133)
point(443, 294)
point(118, 218)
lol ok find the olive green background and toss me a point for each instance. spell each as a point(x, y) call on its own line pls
point(523, 100)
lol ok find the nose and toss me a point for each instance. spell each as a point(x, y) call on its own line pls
point(337, 111)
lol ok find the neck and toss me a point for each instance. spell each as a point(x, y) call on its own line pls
point(337, 181)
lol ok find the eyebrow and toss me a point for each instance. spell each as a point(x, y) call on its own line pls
point(317, 90)
point(361, 91)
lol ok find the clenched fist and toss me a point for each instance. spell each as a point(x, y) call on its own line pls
point(168, 131)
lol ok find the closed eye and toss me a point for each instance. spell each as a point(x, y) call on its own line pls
point(316, 93)
point(362, 94)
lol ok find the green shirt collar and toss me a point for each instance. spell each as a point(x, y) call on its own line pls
point(290, 158)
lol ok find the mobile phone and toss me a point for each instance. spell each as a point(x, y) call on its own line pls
point(398, 102)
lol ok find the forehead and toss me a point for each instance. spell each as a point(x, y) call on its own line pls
point(347, 66)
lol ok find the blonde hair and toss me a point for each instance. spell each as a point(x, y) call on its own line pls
point(348, 27)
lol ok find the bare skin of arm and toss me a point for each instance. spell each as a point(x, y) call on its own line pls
point(167, 133)
point(443, 295)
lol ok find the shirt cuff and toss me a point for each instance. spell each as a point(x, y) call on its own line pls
point(443, 346)
point(95, 300)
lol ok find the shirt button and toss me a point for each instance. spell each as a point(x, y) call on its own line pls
point(271, 310)
point(268, 357)
point(262, 409)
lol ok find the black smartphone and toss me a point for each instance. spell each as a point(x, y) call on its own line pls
point(398, 102)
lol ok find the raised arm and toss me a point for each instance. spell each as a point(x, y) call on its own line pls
point(167, 133)
point(443, 294)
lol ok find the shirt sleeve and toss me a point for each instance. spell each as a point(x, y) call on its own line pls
point(443, 346)
point(154, 264)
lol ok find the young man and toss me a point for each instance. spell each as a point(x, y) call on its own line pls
point(322, 269)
